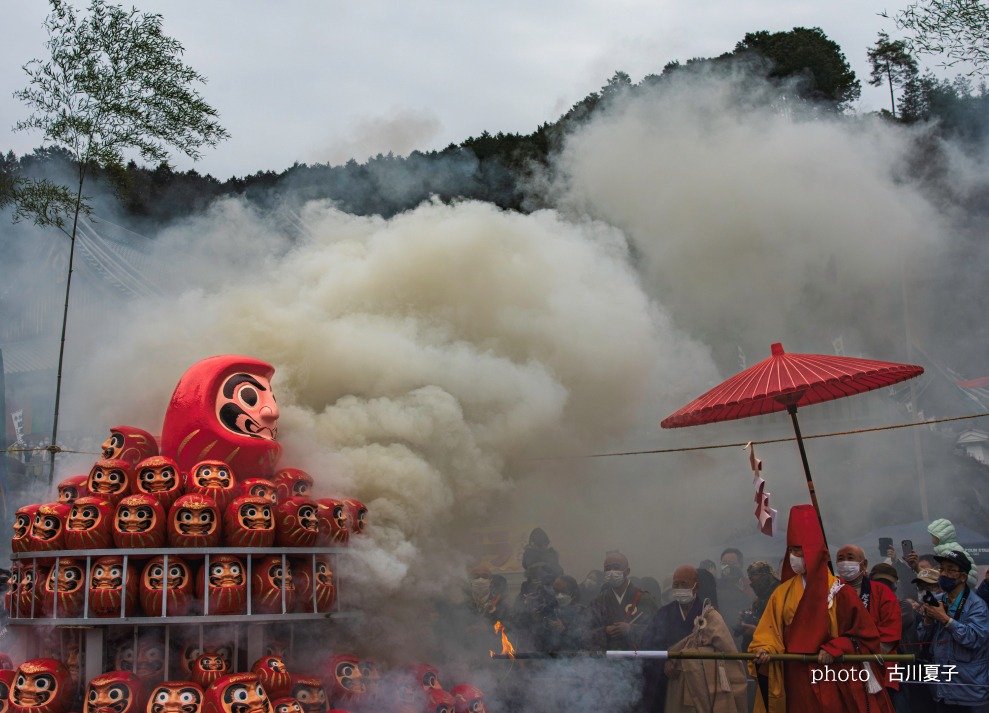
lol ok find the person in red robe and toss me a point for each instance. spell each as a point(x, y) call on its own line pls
point(812, 612)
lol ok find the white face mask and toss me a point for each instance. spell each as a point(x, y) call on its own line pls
point(797, 564)
point(563, 599)
point(849, 570)
point(683, 596)
point(614, 578)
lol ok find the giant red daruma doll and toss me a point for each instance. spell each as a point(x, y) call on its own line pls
point(41, 686)
point(130, 444)
point(223, 408)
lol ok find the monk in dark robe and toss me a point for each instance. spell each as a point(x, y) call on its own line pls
point(813, 612)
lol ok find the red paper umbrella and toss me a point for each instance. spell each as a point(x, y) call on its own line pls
point(788, 381)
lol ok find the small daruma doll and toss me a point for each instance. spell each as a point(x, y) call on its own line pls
point(41, 686)
point(343, 672)
point(23, 520)
point(439, 701)
point(237, 693)
point(259, 488)
point(7, 683)
point(333, 529)
point(309, 583)
point(28, 602)
point(267, 581)
point(249, 522)
point(139, 523)
point(176, 697)
point(222, 585)
point(208, 668)
point(163, 585)
point(357, 514)
point(110, 480)
point(129, 444)
point(274, 676)
point(194, 521)
point(48, 528)
point(114, 692)
point(63, 591)
point(71, 488)
point(224, 405)
point(108, 590)
point(468, 699)
point(295, 523)
point(309, 692)
point(160, 478)
point(286, 704)
point(89, 525)
point(293, 483)
point(215, 479)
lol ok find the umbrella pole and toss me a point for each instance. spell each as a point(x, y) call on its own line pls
point(792, 410)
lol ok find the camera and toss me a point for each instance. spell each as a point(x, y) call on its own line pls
point(930, 600)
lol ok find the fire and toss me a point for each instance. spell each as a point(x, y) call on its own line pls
point(506, 646)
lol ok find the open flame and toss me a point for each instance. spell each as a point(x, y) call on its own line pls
point(506, 646)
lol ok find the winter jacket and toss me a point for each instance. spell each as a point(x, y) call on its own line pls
point(964, 643)
point(944, 531)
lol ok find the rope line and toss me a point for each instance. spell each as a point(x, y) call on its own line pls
point(715, 446)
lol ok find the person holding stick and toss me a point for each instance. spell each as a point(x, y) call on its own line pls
point(813, 612)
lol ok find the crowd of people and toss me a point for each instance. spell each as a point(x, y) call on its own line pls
point(825, 608)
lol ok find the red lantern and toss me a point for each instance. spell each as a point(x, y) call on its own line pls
point(107, 587)
point(71, 488)
point(129, 444)
point(6, 686)
point(333, 528)
point(439, 701)
point(88, 526)
point(23, 520)
point(41, 686)
point(68, 592)
point(357, 515)
point(274, 676)
point(114, 692)
point(194, 521)
point(226, 584)
point(236, 693)
point(215, 479)
point(259, 488)
point(309, 692)
point(160, 478)
point(293, 483)
point(306, 581)
point(208, 668)
point(295, 523)
point(285, 704)
point(223, 408)
point(249, 522)
point(468, 699)
point(267, 580)
point(159, 587)
point(139, 523)
point(110, 480)
point(48, 528)
point(176, 697)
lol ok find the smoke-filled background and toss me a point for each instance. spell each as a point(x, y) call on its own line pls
point(449, 366)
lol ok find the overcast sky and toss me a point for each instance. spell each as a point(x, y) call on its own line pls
point(324, 81)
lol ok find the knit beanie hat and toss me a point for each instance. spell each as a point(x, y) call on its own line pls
point(943, 530)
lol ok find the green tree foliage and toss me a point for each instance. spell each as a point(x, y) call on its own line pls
point(113, 83)
point(892, 64)
point(956, 30)
point(807, 54)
